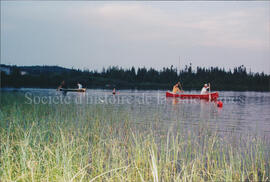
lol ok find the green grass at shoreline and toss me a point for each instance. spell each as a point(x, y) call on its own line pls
point(98, 143)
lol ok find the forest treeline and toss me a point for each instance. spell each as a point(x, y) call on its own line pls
point(237, 79)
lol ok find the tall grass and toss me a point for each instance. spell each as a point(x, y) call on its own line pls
point(72, 142)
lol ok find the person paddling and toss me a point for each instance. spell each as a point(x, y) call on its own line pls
point(114, 92)
point(62, 85)
point(204, 89)
point(79, 85)
point(176, 88)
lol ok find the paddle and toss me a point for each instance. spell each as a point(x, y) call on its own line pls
point(209, 92)
point(181, 87)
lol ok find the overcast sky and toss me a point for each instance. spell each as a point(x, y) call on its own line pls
point(93, 35)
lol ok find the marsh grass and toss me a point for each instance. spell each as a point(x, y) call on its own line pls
point(103, 143)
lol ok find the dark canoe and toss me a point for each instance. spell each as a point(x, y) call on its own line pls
point(210, 96)
point(72, 90)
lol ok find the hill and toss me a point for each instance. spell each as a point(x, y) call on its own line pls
point(142, 78)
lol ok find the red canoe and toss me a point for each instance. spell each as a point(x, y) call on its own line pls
point(211, 96)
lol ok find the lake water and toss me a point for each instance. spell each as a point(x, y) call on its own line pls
point(242, 112)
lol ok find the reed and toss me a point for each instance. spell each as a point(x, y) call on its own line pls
point(49, 142)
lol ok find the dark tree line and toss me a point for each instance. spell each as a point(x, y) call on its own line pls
point(141, 78)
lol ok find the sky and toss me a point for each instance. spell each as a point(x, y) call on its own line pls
point(93, 35)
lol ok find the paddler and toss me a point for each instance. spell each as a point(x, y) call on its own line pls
point(62, 85)
point(176, 88)
point(79, 85)
point(204, 89)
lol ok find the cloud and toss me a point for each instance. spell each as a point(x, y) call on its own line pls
point(133, 31)
point(245, 28)
point(238, 28)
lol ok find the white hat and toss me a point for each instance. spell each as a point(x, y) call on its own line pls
point(205, 85)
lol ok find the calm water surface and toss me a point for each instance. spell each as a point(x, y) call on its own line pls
point(242, 112)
